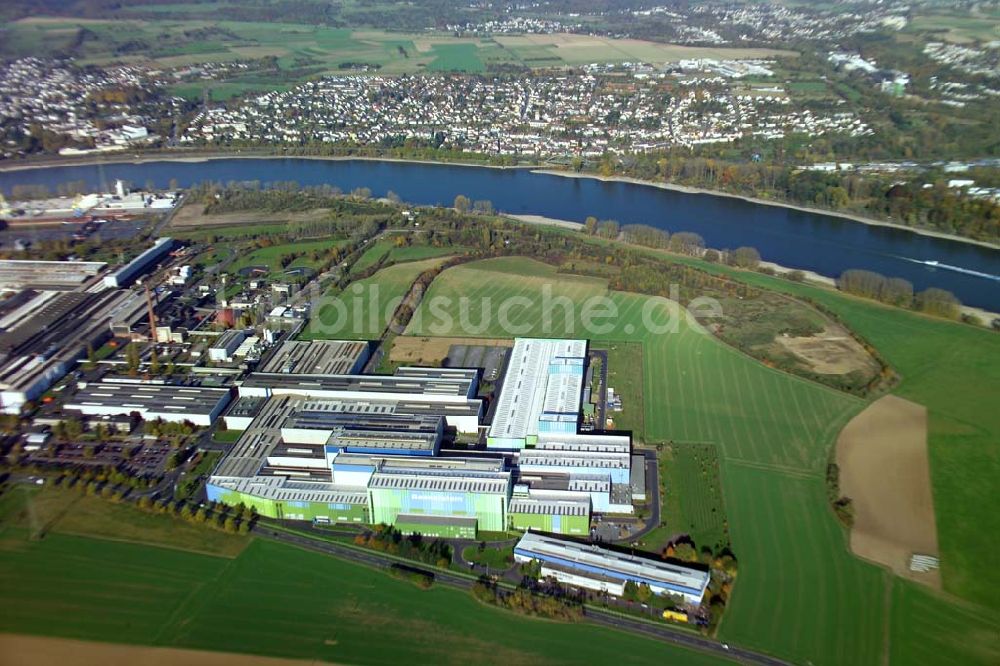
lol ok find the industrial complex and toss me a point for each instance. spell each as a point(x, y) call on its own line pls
point(57, 311)
point(371, 448)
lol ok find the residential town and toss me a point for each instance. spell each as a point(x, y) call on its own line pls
point(632, 109)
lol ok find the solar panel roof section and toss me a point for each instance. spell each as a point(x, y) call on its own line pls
point(277, 488)
point(496, 485)
point(406, 383)
point(153, 397)
point(550, 507)
point(544, 382)
point(317, 357)
point(589, 557)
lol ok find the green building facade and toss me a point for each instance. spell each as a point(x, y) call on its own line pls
point(547, 522)
point(333, 512)
point(489, 509)
point(437, 527)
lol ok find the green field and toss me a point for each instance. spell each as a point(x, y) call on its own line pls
point(400, 254)
point(494, 558)
point(228, 232)
point(625, 376)
point(362, 311)
point(281, 601)
point(304, 52)
point(693, 503)
point(938, 362)
point(927, 628)
point(959, 29)
point(42, 512)
point(271, 256)
point(456, 58)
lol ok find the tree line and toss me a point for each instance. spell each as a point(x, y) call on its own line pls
point(899, 292)
point(527, 602)
point(880, 196)
point(387, 539)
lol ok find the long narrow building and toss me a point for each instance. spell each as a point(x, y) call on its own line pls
point(597, 568)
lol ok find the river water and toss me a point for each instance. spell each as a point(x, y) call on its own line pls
point(812, 241)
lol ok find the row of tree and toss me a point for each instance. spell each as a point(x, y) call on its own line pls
point(234, 520)
point(899, 292)
point(528, 602)
point(388, 539)
point(876, 195)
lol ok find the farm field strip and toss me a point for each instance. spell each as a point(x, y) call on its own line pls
point(305, 51)
point(279, 600)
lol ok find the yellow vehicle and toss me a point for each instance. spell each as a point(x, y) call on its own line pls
point(675, 616)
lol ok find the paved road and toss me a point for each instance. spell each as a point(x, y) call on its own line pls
point(602, 398)
point(595, 615)
point(652, 495)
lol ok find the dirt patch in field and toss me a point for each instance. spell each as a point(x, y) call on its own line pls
point(424, 350)
point(16, 650)
point(193, 215)
point(831, 352)
point(882, 454)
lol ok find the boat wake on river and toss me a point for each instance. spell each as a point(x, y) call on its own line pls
point(958, 269)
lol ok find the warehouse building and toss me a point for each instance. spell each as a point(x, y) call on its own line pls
point(130, 271)
point(605, 570)
point(399, 492)
point(556, 516)
point(242, 413)
point(450, 392)
point(169, 402)
point(225, 346)
point(317, 357)
point(295, 446)
point(541, 393)
point(275, 497)
point(48, 275)
point(38, 349)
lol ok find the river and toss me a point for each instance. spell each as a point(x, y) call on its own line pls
point(825, 244)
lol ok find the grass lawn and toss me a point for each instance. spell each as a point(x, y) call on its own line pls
point(626, 378)
point(692, 497)
point(226, 436)
point(282, 601)
point(226, 232)
point(362, 311)
point(271, 256)
point(400, 254)
point(494, 558)
point(456, 58)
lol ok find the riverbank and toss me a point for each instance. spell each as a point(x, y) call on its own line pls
point(206, 157)
point(547, 221)
point(812, 277)
point(871, 221)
